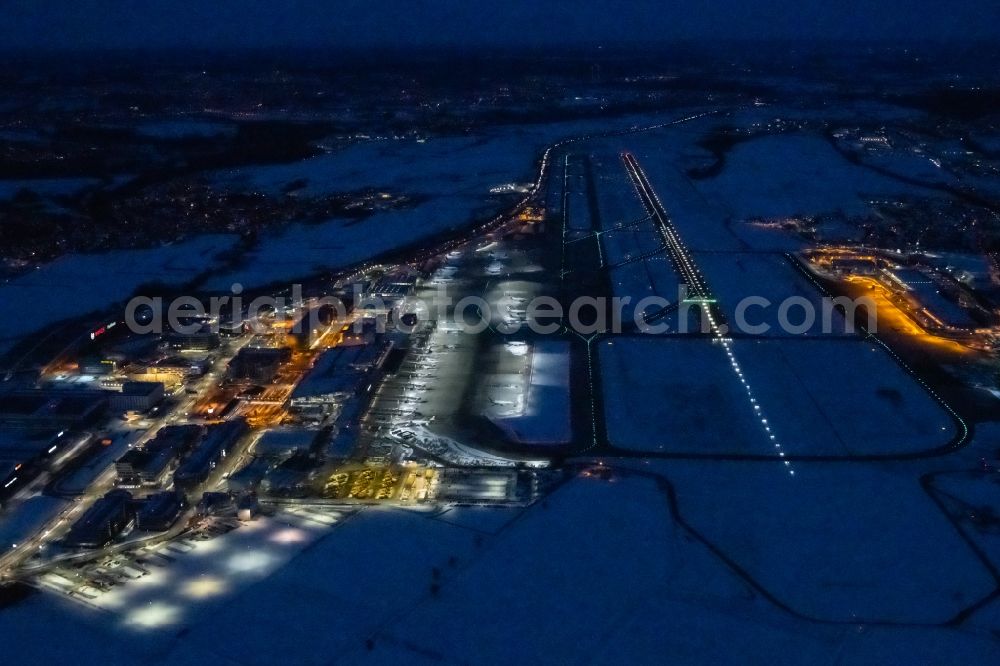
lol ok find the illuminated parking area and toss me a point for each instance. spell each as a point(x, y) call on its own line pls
point(170, 584)
point(528, 394)
point(892, 317)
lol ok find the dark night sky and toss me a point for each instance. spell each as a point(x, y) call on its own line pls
point(52, 24)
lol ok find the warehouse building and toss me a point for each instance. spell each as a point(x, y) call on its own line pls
point(159, 512)
point(151, 464)
point(282, 443)
point(219, 441)
point(51, 409)
point(135, 397)
point(258, 364)
point(200, 341)
point(23, 454)
point(103, 521)
point(335, 376)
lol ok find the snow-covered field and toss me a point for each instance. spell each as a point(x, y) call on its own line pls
point(675, 395)
point(734, 277)
point(850, 397)
point(793, 174)
point(654, 276)
point(835, 542)
point(77, 284)
point(821, 397)
point(601, 572)
point(973, 500)
point(453, 175)
point(771, 176)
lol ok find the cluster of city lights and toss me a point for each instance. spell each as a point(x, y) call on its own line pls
point(963, 426)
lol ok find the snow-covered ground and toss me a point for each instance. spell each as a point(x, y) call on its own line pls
point(842, 397)
point(821, 397)
point(675, 395)
point(734, 277)
point(78, 284)
point(452, 175)
point(600, 572)
point(793, 174)
point(972, 499)
point(835, 542)
point(654, 276)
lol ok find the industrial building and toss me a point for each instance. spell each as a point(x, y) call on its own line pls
point(184, 366)
point(135, 397)
point(22, 454)
point(282, 443)
point(292, 478)
point(258, 364)
point(219, 440)
point(151, 464)
point(23, 522)
point(394, 285)
point(248, 479)
point(934, 307)
point(98, 365)
point(479, 486)
point(335, 376)
point(51, 409)
point(160, 511)
point(103, 521)
point(200, 341)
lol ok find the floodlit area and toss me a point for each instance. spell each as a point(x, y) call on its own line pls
point(894, 319)
point(528, 395)
point(171, 584)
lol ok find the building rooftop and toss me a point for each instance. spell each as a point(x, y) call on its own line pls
point(283, 442)
point(338, 370)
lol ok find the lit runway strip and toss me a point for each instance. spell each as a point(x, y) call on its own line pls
point(691, 274)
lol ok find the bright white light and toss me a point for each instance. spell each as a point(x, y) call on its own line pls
point(290, 535)
point(203, 587)
point(155, 614)
point(250, 561)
